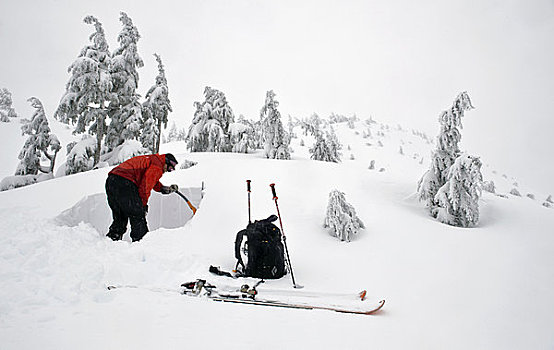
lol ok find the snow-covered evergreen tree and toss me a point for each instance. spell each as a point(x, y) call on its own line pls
point(173, 133)
point(88, 91)
point(276, 140)
point(80, 155)
point(257, 137)
point(149, 134)
point(351, 122)
point(209, 131)
point(341, 218)
point(156, 109)
point(6, 109)
point(458, 198)
point(334, 144)
point(326, 148)
point(291, 124)
point(515, 192)
point(447, 150)
point(39, 144)
point(337, 118)
point(241, 134)
point(372, 165)
point(182, 136)
point(125, 109)
point(127, 150)
point(489, 186)
point(311, 125)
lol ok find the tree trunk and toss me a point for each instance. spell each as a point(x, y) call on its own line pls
point(159, 139)
point(100, 120)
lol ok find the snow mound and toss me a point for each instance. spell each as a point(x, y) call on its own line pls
point(165, 211)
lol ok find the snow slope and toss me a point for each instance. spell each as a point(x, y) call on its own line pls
point(488, 287)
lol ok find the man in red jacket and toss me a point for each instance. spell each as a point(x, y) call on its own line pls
point(128, 188)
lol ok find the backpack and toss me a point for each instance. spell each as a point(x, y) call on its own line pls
point(262, 249)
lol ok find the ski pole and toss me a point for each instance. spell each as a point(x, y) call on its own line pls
point(248, 189)
point(284, 237)
point(188, 202)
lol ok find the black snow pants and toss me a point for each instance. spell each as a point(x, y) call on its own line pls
point(126, 205)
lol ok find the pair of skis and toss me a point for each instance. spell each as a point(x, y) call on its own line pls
point(250, 296)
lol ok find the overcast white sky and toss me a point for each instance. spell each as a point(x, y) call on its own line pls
point(398, 61)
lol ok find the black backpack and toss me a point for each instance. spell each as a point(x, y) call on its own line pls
point(262, 249)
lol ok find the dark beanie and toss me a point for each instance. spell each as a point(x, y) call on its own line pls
point(170, 159)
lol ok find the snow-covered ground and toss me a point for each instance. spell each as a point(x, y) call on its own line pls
point(488, 287)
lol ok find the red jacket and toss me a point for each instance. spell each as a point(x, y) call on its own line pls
point(144, 171)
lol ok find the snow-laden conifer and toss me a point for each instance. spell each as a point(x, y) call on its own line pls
point(341, 218)
point(182, 134)
point(125, 109)
point(127, 150)
point(291, 124)
point(6, 109)
point(276, 140)
point(173, 133)
point(257, 137)
point(80, 155)
point(242, 135)
point(489, 186)
point(311, 125)
point(326, 148)
point(88, 91)
point(337, 118)
point(40, 144)
point(458, 198)
point(447, 150)
point(515, 192)
point(372, 165)
point(209, 131)
point(149, 134)
point(156, 109)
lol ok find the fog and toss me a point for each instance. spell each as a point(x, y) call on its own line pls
point(400, 62)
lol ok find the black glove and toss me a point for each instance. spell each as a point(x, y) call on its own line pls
point(169, 189)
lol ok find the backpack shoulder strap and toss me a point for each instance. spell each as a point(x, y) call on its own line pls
point(238, 242)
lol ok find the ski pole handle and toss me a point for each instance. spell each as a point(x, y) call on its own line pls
point(248, 189)
point(273, 191)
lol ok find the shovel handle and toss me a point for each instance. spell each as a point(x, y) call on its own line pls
point(188, 202)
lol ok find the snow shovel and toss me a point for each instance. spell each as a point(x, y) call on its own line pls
point(188, 202)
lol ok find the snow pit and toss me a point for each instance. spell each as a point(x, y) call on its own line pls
point(164, 211)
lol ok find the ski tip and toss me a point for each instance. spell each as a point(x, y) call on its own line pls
point(381, 304)
point(377, 309)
